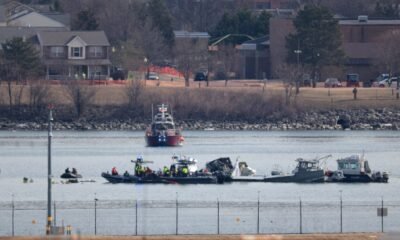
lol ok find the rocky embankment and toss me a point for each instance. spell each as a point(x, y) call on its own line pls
point(360, 119)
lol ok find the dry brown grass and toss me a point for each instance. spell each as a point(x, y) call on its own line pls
point(218, 95)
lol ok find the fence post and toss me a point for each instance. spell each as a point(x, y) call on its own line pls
point(176, 216)
point(258, 213)
point(12, 215)
point(95, 214)
point(301, 218)
point(217, 216)
point(136, 218)
point(341, 212)
point(382, 215)
point(55, 213)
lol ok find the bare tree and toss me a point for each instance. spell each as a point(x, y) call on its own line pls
point(147, 43)
point(198, 15)
point(81, 96)
point(190, 54)
point(134, 90)
point(39, 96)
point(389, 57)
point(224, 61)
point(289, 74)
point(114, 18)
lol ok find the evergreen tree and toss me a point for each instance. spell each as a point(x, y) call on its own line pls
point(318, 38)
point(85, 21)
point(162, 20)
point(243, 22)
point(387, 9)
point(20, 59)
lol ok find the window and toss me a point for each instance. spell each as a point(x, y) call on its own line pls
point(95, 52)
point(76, 52)
point(57, 52)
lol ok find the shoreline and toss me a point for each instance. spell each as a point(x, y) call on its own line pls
point(359, 119)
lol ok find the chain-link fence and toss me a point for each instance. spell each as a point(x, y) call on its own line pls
point(200, 217)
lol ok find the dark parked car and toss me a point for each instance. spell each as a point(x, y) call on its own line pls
point(118, 73)
point(200, 76)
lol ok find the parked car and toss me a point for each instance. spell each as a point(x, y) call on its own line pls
point(152, 76)
point(384, 80)
point(200, 76)
point(332, 83)
point(306, 80)
point(352, 80)
point(389, 82)
point(118, 73)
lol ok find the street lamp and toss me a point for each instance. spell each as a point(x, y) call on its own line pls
point(298, 52)
point(147, 66)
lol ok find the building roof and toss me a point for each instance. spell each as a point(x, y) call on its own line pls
point(93, 38)
point(370, 22)
point(59, 17)
point(7, 33)
point(252, 44)
point(186, 34)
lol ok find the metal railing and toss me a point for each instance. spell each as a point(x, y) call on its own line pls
point(137, 217)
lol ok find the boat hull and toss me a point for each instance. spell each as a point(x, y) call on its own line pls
point(192, 180)
point(131, 179)
point(361, 178)
point(159, 179)
point(303, 177)
point(164, 141)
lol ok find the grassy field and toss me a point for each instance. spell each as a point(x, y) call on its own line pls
point(320, 97)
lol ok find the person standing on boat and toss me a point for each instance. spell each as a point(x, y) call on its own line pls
point(74, 171)
point(166, 171)
point(173, 170)
point(114, 171)
point(185, 171)
point(67, 170)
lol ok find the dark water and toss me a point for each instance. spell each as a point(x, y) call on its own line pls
point(24, 154)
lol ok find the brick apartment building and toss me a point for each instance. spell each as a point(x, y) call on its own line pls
point(362, 40)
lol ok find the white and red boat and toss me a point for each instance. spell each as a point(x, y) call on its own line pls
point(162, 130)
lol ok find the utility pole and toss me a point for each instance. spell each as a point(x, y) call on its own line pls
point(50, 135)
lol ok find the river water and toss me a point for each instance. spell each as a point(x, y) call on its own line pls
point(24, 154)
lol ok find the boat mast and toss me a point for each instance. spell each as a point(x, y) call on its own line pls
point(162, 111)
point(152, 113)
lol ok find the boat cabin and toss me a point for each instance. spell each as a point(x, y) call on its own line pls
point(189, 162)
point(306, 165)
point(354, 165)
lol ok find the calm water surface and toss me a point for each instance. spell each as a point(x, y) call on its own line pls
point(24, 154)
